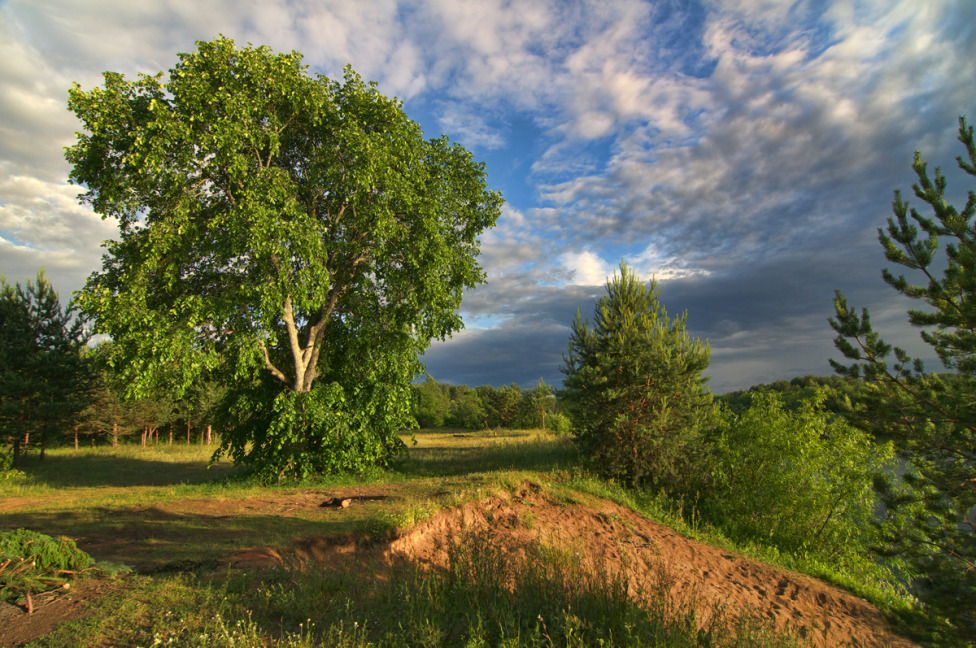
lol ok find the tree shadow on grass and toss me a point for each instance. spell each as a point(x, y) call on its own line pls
point(67, 471)
point(153, 539)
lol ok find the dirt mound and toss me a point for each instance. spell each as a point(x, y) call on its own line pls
point(602, 535)
point(618, 540)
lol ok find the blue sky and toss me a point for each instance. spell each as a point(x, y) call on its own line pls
point(741, 152)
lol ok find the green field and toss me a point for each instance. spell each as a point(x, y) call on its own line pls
point(174, 520)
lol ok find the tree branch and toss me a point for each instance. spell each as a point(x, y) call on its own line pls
point(296, 350)
point(270, 365)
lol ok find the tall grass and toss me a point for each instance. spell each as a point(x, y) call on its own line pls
point(485, 596)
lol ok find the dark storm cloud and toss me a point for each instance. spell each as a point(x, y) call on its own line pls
point(763, 323)
point(513, 352)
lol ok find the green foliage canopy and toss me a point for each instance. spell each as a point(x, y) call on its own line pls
point(931, 418)
point(634, 384)
point(295, 234)
point(437, 404)
point(431, 404)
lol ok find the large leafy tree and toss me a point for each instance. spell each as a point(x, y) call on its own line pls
point(296, 233)
point(931, 418)
point(43, 375)
point(634, 385)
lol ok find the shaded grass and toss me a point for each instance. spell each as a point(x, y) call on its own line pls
point(127, 475)
point(125, 466)
point(149, 539)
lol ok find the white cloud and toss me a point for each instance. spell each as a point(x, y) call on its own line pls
point(784, 117)
point(651, 263)
point(585, 268)
point(469, 126)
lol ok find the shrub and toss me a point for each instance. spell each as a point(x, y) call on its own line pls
point(800, 480)
point(32, 562)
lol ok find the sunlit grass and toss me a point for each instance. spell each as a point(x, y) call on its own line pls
point(134, 469)
point(456, 452)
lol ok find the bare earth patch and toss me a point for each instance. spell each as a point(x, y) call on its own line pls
point(604, 535)
point(618, 540)
point(50, 610)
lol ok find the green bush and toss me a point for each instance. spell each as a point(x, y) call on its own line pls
point(55, 554)
point(798, 480)
point(559, 423)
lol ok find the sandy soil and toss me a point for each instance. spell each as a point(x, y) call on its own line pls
point(50, 610)
point(604, 534)
point(617, 539)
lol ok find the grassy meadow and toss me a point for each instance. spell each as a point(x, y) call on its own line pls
point(169, 516)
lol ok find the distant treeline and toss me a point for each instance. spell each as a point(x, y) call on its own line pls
point(792, 392)
point(459, 406)
point(487, 407)
point(56, 389)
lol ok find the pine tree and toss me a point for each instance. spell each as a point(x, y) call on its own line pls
point(634, 385)
point(43, 376)
point(930, 417)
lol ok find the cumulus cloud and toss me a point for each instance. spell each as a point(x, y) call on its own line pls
point(782, 122)
point(585, 268)
point(469, 126)
point(741, 152)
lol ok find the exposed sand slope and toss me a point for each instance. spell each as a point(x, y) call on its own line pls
point(618, 540)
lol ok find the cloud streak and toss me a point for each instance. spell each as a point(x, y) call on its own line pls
point(740, 152)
